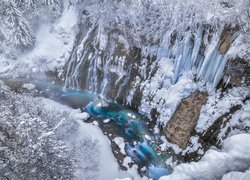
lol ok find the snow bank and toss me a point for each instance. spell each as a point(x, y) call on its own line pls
point(108, 167)
point(234, 156)
point(121, 144)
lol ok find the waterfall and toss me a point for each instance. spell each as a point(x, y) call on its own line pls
point(102, 63)
point(210, 64)
point(108, 63)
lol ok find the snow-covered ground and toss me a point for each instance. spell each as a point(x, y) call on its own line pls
point(234, 156)
point(75, 132)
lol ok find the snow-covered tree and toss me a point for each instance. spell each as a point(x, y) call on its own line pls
point(17, 16)
point(29, 147)
point(20, 32)
point(35, 2)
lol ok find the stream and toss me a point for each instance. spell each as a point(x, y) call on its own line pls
point(141, 143)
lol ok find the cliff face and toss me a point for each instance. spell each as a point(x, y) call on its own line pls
point(184, 120)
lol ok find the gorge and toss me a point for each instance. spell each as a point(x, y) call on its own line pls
point(166, 81)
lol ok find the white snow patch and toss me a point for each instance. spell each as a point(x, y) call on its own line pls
point(95, 123)
point(126, 161)
point(237, 175)
point(82, 116)
point(165, 145)
point(193, 146)
point(106, 120)
point(120, 143)
point(29, 86)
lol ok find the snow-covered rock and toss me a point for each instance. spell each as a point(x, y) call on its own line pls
point(234, 156)
point(120, 143)
point(29, 86)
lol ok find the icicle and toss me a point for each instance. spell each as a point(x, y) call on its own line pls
point(219, 72)
point(212, 50)
point(197, 44)
point(184, 61)
point(176, 69)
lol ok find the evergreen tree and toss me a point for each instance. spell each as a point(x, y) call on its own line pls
point(20, 32)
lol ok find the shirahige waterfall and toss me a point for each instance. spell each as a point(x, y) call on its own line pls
point(114, 59)
point(149, 85)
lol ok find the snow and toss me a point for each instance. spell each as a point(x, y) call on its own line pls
point(106, 120)
point(194, 146)
point(29, 86)
point(239, 122)
point(147, 137)
point(82, 116)
point(126, 161)
point(95, 123)
point(4, 87)
point(166, 97)
point(216, 106)
point(166, 144)
point(120, 143)
point(237, 175)
point(173, 81)
point(105, 172)
point(234, 156)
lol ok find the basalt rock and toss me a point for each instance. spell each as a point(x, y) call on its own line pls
point(226, 39)
point(183, 122)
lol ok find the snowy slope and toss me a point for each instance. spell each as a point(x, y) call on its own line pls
point(107, 167)
point(234, 156)
point(216, 106)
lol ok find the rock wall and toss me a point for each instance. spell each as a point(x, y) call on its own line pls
point(183, 122)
